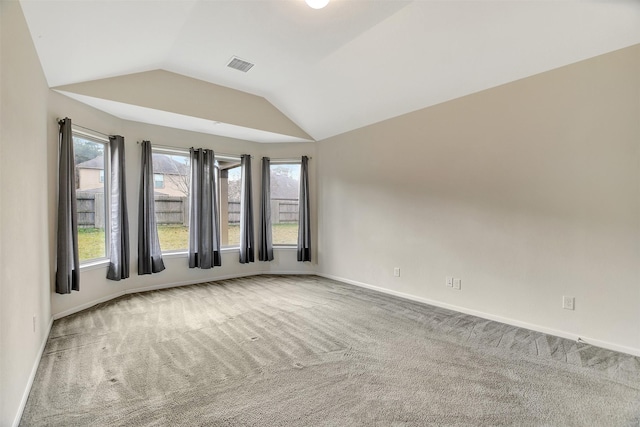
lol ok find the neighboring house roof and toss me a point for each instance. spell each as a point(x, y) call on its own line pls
point(95, 163)
point(161, 165)
point(167, 166)
point(282, 187)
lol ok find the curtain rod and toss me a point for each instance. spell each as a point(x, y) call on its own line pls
point(168, 148)
point(86, 128)
point(293, 160)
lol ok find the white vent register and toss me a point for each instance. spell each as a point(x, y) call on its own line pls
point(240, 64)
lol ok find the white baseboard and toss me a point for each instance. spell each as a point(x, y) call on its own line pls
point(32, 376)
point(489, 316)
point(87, 305)
point(109, 297)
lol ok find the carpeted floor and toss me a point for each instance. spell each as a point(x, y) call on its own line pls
point(307, 351)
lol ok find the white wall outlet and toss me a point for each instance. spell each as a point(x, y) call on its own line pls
point(449, 282)
point(396, 271)
point(457, 283)
point(568, 303)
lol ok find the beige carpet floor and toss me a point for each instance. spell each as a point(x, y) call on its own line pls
point(307, 351)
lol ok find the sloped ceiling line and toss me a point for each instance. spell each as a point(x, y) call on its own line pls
point(324, 72)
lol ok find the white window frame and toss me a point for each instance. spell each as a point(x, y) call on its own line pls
point(172, 151)
point(99, 139)
point(162, 149)
point(225, 158)
point(275, 162)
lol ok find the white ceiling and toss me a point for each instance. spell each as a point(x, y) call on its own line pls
point(354, 63)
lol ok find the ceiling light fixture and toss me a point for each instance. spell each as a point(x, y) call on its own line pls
point(317, 4)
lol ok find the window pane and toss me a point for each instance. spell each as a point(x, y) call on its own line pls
point(285, 191)
point(230, 190)
point(158, 180)
point(171, 182)
point(90, 195)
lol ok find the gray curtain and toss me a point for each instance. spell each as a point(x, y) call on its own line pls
point(119, 256)
point(204, 237)
point(304, 222)
point(246, 213)
point(67, 263)
point(265, 251)
point(149, 252)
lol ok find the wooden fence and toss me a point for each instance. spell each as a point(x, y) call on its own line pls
point(175, 210)
point(90, 208)
point(172, 210)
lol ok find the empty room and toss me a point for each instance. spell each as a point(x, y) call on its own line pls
point(319, 213)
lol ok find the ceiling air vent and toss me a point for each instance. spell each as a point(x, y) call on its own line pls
point(239, 64)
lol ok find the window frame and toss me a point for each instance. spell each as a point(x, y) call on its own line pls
point(106, 181)
point(276, 162)
point(172, 151)
point(231, 158)
point(235, 160)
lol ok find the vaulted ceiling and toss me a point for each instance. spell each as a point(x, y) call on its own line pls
point(317, 73)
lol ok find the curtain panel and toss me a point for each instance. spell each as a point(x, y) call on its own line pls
point(204, 237)
point(149, 251)
point(67, 262)
point(246, 212)
point(265, 250)
point(304, 219)
point(119, 254)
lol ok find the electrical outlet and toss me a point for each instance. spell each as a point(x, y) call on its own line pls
point(457, 284)
point(568, 303)
point(396, 271)
point(449, 282)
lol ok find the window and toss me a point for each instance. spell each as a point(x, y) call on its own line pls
point(171, 178)
point(91, 196)
point(229, 190)
point(158, 180)
point(285, 191)
point(171, 175)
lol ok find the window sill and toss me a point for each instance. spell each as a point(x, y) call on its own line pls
point(94, 265)
point(286, 247)
point(169, 255)
point(184, 254)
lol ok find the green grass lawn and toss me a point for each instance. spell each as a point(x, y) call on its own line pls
point(90, 243)
point(284, 234)
point(175, 237)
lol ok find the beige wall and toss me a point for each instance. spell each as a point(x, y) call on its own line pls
point(527, 192)
point(89, 179)
point(25, 223)
point(171, 187)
